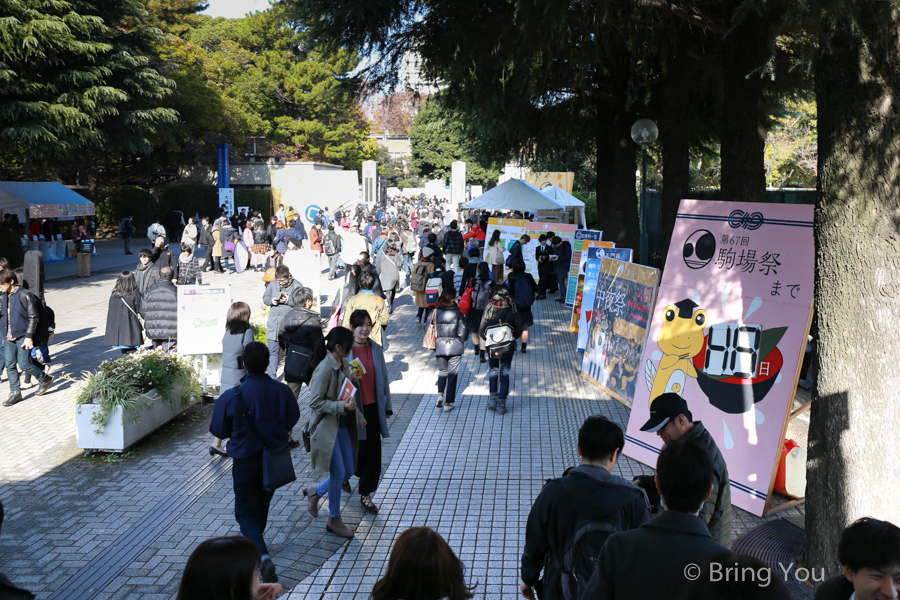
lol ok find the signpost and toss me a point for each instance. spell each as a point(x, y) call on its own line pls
point(201, 321)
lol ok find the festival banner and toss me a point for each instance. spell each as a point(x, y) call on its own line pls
point(584, 240)
point(618, 327)
point(623, 254)
point(729, 334)
point(584, 302)
point(513, 229)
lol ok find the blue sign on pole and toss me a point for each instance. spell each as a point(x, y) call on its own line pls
point(623, 254)
point(222, 165)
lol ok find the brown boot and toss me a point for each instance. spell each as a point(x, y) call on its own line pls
point(313, 499)
point(337, 527)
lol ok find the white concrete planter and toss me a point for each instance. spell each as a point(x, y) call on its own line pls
point(118, 433)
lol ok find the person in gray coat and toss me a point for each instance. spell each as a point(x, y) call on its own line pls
point(652, 560)
point(373, 400)
point(238, 333)
point(279, 296)
point(390, 262)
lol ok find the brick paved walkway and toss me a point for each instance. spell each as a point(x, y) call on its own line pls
point(470, 474)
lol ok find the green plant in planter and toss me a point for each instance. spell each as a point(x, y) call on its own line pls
point(122, 382)
point(259, 320)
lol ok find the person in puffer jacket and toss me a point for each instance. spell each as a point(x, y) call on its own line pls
point(452, 331)
point(453, 245)
point(159, 308)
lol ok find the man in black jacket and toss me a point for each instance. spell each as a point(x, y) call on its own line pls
point(302, 329)
point(546, 279)
point(589, 491)
point(160, 310)
point(453, 245)
point(561, 261)
point(19, 323)
point(207, 241)
point(653, 560)
point(869, 552)
point(331, 245)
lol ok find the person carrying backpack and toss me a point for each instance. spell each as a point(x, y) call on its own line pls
point(574, 514)
point(500, 327)
point(331, 245)
point(420, 275)
point(481, 297)
point(523, 287)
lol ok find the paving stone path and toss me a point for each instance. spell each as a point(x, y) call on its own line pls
point(469, 474)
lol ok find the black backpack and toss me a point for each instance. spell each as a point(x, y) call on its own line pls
point(582, 550)
point(46, 319)
point(328, 245)
point(523, 293)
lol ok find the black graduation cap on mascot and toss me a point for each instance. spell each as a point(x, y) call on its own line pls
point(686, 308)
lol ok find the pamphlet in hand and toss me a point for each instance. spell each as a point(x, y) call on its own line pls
point(347, 391)
point(357, 369)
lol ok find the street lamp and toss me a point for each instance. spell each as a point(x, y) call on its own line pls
point(149, 196)
point(644, 132)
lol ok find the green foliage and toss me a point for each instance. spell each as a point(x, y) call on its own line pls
point(190, 198)
point(791, 155)
point(590, 209)
point(260, 200)
point(115, 203)
point(392, 168)
point(78, 77)
point(11, 248)
point(437, 139)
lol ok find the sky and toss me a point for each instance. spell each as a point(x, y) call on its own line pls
point(234, 9)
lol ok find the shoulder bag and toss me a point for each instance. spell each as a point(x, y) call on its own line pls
point(139, 317)
point(430, 341)
point(297, 361)
point(278, 467)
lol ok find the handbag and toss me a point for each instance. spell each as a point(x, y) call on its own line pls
point(307, 438)
point(139, 317)
point(297, 360)
point(278, 466)
point(430, 341)
point(465, 303)
point(499, 341)
point(269, 275)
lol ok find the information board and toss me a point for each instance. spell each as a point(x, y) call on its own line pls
point(623, 254)
point(729, 333)
point(584, 239)
point(513, 229)
point(622, 307)
point(201, 318)
point(584, 302)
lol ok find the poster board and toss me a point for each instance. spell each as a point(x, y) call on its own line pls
point(306, 268)
point(618, 327)
point(513, 229)
point(587, 288)
point(201, 318)
point(737, 298)
point(226, 197)
point(623, 254)
point(584, 239)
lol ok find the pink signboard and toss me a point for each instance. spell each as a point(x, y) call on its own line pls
point(728, 334)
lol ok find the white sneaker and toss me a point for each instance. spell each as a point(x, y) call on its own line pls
point(418, 323)
point(448, 407)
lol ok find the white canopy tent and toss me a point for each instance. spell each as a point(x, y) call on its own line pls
point(567, 201)
point(513, 194)
point(44, 199)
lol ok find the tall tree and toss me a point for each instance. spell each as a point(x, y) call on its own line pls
point(394, 113)
point(853, 450)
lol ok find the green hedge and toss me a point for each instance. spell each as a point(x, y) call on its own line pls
point(113, 204)
point(590, 209)
point(11, 248)
point(204, 199)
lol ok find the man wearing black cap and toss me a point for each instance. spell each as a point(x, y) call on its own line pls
point(671, 420)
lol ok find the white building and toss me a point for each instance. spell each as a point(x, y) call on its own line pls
point(411, 78)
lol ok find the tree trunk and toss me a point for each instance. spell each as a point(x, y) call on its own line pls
point(742, 131)
point(617, 202)
point(676, 146)
point(853, 449)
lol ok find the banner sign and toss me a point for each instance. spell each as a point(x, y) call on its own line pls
point(226, 197)
point(222, 166)
point(617, 334)
point(513, 229)
point(584, 240)
point(623, 254)
point(201, 318)
point(729, 334)
point(47, 211)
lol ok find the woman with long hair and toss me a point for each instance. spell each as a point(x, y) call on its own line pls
point(495, 256)
point(225, 568)
point(124, 330)
point(238, 333)
point(334, 426)
point(452, 333)
point(422, 566)
point(501, 311)
point(374, 400)
point(260, 245)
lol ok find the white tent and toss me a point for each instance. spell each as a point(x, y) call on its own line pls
point(567, 201)
point(44, 199)
point(513, 194)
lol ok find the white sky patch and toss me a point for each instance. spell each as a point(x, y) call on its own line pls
point(234, 9)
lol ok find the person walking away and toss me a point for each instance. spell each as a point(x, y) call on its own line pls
point(334, 426)
point(671, 420)
point(126, 228)
point(495, 256)
point(650, 561)
point(379, 243)
point(453, 245)
point(561, 261)
point(370, 302)
point(85, 248)
point(373, 399)
point(217, 245)
point(302, 330)
point(523, 288)
point(388, 268)
point(238, 335)
point(281, 235)
point(229, 236)
point(421, 274)
point(501, 312)
point(225, 568)
point(260, 246)
point(331, 245)
point(271, 229)
point(450, 344)
point(123, 325)
point(315, 235)
point(481, 298)
point(588, 498)
point(19, 320)
point(352, 244)
point(271, 406)
point(190, 235)
point(160, 311)
point(155, 230)
point(278, 295)
point(146, 273)
point(187, 271)
point(207, 241)
point(408, 247)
